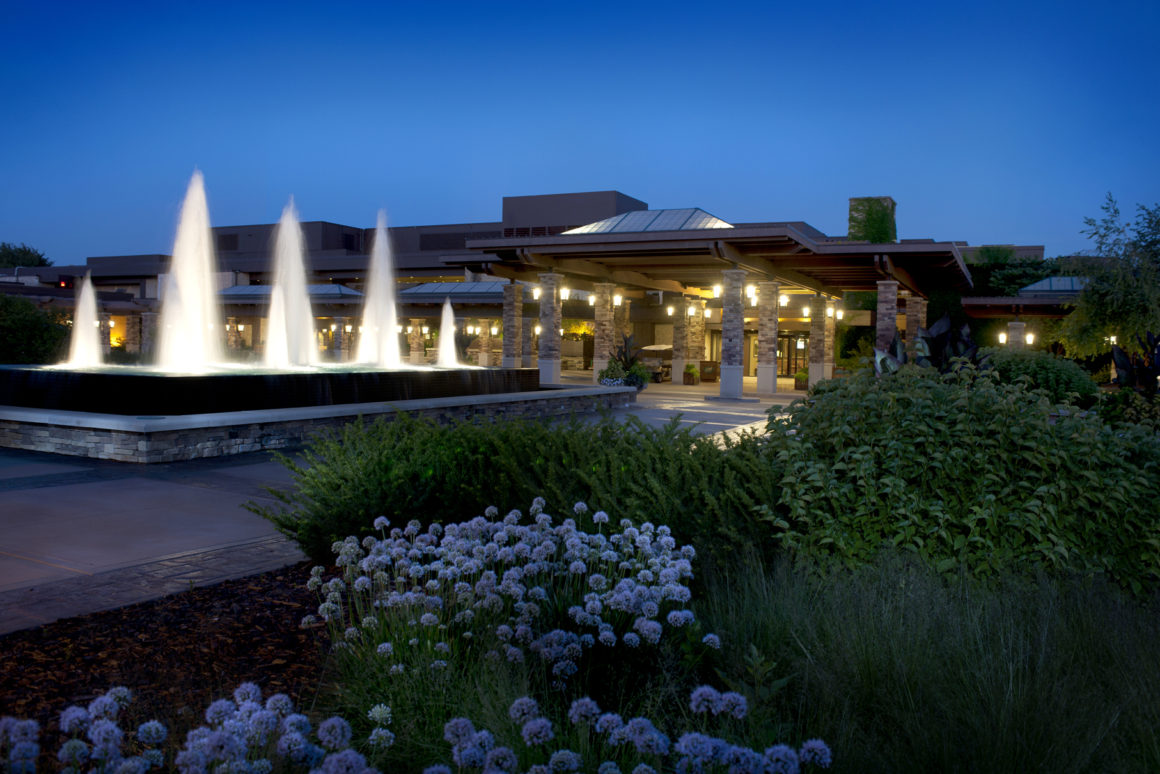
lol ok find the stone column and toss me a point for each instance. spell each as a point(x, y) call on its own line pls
point(817, 340)
point(527, 342)
point(680, 338)
point(696, 349)
point(768, 309)
point(829, 341)
point(133, 333)
point(915, 319)
point(887, 313)
point(732, 332)
point(550, 317)
point(513, 311)
point(149, 336)
point(485, 342)
point(105, 329)
point(415, 341)
point(233, 336)
point(605, 336)
point(340, 344)
point(1016, 331)
point(621, 323)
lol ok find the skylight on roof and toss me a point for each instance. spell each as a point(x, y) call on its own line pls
point(638, 221)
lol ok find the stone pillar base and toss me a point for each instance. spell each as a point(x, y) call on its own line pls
point(679, 370)
point(820, 371)
point(598, 365)
point(731, 383)
point(549, 371)
point(1016, 331)
point(417, 357)
point(513, 362)
point(484, 358)
point(766, 379)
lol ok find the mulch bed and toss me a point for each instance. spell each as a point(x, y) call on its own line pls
point(177, 654)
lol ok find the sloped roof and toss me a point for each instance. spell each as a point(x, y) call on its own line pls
point(637, 221)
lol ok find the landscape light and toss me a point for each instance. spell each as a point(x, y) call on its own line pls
point(751, 290)
point(829, 311)
point(333, 327)
point(409, 328)
point(1112, 339)
point(424, 330)
point(801, 343)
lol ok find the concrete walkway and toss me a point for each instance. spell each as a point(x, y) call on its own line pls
point(79, 536)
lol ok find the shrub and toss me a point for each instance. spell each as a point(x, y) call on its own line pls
point(1130, 406)
point(1064, 380)
point(28, 334)
point(964, 471)
point(414, 468)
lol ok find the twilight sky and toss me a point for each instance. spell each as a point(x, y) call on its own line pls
point(991, 122)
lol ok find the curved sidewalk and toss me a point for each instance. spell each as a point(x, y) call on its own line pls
point(79, 536)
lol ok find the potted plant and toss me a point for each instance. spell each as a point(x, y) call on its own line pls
point(692, 375)
point(801, 380)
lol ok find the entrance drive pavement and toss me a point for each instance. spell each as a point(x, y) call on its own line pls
point(79, 535)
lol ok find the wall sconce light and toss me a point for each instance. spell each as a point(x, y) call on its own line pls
point(494, 330)
point(805, 311)
point(1112, 339)
point(692, 310)
point(839, 314)
point(1002, 338)
point(467, 329)
point(349, 328)
point(409, 328)
point(591, 299)
point(241, 327)
point(112, 323)
point(333, 327)
point(561, 331)
point(708, 314)
point(617, 300)
point(829, 311)
point(716, 291)
point(801, 343)
point(1030, 338)
point(753, 300)
point(424, 330)
point(537, 330)
point(783, 300)
point(565, 294)
point(536, 294)
point(670, 310)
point(96, 323)
point(750, 290)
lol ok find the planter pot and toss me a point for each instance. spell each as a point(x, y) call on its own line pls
point(801, 384)
point(692, 379)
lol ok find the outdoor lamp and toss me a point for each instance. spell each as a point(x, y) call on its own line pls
point(708, 313)
point(1112, 339)
point(536, 293)
point(538, 329)
point(333, 327)
point(494, 330)
point(398, 329)
point(801, 343)
point(783, 300)
point(1002, 338)
point(670, 310)
point(241, 327)
point(692, 310)
point(716, 291)
point(112, 323)
point(349, 328)
point(561, 331)
point(751, 290)
point(829, 311)
point(839, 314)
point(753, 300)
point(1030, 338)
point(617, 300)
point(591, 299)
point(96, 323)
point(805, 311)
point(424, 330)
point(410, 328)
point(565, 294)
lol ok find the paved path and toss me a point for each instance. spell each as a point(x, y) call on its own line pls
point(79, 536)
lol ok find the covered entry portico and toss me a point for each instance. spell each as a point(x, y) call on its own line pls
point(771, 274)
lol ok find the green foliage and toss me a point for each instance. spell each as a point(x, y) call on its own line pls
point(1063, 379)
point(415, 469)
point(872, 220)
point(625, 364)
point(12, 255)
point(1130, 406)
point(691, 368)
point(28, 334)
point(902, 670)
point(1122, 294)
point(967, 473)
point(944, 347)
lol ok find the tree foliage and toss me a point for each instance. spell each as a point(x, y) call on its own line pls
point(12, 255)
point(872, 220)
point(1122, 295)
point(29, 334)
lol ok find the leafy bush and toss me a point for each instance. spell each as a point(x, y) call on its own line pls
point(1130, 406)
point(413, 468)
point(966, 472)
point(28, 334)
point(1064, 380)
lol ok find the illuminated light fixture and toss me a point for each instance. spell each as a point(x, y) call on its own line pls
point(716, 291)
point(538, 329)
point(467, 329)
point(536, 293)
point(839, 314)
point(333, 327)
point(561, 331)
point(424, 330)
point(801, 343)
point(494, 330)
point(753, 300)
point(398, 329)
point(670, 310)
point(751, 290)
point(617, 300)
point(829, 311)
point(708, 314)
point(360, 328)
point(1112, 339)
point(565, 294)
point(349, 328)
point(241, 327)
point(409, 328)
point(805, 311)
point(692, 310)
point(96, 323)
point(1002, 338)
point(1030, 338)
point(783, 300)
point(591, 299)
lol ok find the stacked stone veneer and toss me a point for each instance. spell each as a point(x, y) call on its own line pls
point(887, 325)
point(169, 439)
point(513, 325)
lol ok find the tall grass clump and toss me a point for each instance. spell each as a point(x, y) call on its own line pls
point(1064, 380)
point(416, 469)
point(904, 670)
point(968, 473)
point(531, 644)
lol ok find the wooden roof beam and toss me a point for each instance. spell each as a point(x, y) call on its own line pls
point(887, 268)
point(770, 269)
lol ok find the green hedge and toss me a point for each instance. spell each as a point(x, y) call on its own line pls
point(1064, 380)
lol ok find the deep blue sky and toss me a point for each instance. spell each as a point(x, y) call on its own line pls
point(987, 122)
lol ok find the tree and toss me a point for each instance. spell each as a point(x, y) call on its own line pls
point(1121, 297)
point(12, 255)
point(29, 334)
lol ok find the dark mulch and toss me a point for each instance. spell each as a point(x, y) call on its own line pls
point(177, 654)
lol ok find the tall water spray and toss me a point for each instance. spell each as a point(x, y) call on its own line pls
point(447, 356)
point(85, 347)
point(290, 339)
point(379, 341)
point(190, 338)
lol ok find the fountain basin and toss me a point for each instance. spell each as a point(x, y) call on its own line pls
point(133, 392)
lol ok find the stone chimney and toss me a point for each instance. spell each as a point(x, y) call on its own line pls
point(872, 219)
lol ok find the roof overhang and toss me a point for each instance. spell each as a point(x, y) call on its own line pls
point(1018, 306)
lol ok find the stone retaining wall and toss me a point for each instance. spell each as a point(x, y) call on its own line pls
point(169, 439)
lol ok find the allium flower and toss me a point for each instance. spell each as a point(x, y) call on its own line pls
point(732, 704)
point(608, 722)
point(74, 720)
point(308, 621)
point(712, 640)
point(600, 517)
point(437, 769)
point(296, 723)
point(607, 637)
point(577, 567)
point(292, 745)
point(151, 733)
point(344, 762)
point(219, 711)
point(583, 710)
point(247, 692)
point(643, 768)
point(438, 664)
point(442, 647)
point(817, 753)
point(103, 707)
point(631, 640)
point(73, 752)
point(704, 698)
point(524, 709)
point(781, 759)
point(565, 760)
point(334, 733)
point(224, 746)
point(537, 731)
point(458, 730)
point(380, 715)
point(120, 694)
point(580, 509)
point(382, 522)
point(429, 619)
point(22, 757)
point(385, 649)
point(513, 654)
point(362, 583)
point(280, 703)
point(398, 669)
point(381, 737)
point(105, 733)
point(134, 765)
point(678, 618)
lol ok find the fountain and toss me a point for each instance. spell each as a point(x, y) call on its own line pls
point(379, 340)
point(85, 347)
point(290, 338)
point(447, 357)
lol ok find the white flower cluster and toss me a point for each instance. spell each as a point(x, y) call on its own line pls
point(500, 576)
